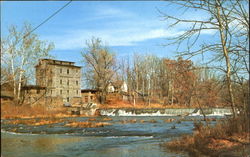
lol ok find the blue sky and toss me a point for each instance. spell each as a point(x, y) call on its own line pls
point(127, 27)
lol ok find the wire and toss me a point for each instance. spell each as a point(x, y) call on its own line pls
point(46, 20)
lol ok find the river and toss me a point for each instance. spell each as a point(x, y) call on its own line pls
point(125, 137)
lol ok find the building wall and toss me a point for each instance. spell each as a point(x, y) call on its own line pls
point(6, 100)
point(61, 79)
point(54, 102)
point(88, 97)
point(34, 97)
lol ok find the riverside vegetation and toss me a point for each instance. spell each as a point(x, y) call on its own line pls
point(229, 137)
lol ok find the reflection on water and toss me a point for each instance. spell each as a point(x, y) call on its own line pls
point(33, 144)
point(50, 144)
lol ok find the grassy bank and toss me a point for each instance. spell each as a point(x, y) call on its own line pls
point(13, 112)
point(228, 137)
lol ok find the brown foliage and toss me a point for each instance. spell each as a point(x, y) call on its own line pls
point(87, 124)
point(114, 103)
point(35, 122)
point(128, 121)
point(169, 120)
point(92, 119)
point(107, 119)
point(212, 140)
point(13, 111)
point(183, 78)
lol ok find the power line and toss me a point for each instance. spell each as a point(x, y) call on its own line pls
point(46, 20)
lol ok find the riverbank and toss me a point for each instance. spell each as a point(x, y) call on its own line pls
point(226, 138)
point(25, 112)
point(120, 109)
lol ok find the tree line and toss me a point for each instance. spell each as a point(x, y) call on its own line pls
point(157, 80)
point(151, 79)
point(183, 83)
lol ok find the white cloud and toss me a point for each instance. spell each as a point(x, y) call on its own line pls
point(122, 31)
point(117, 37)
point(105, 11)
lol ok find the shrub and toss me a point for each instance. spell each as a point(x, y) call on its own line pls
point(225, 136)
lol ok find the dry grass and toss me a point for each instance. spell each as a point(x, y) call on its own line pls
point(12, 111)
point(87, 124)
point(211, 140)
point(128, 121)
point(152, 121)
point(106, 119)
point(169, 120)
point(149, 121)
point(137, 121)
point(200, 145)
point(92, 119)
point(35, 122)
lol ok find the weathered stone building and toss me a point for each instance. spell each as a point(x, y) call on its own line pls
point(34, 95)
point(62, 80)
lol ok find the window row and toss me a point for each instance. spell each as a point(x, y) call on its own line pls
point(68, 71)
point(61, 92)
point(88, 99)
point(61, 82)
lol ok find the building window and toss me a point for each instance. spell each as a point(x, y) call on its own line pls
point(76, 82)
point(68, 82)
point(67, 71)
point(51, 91)
point(67, 99)
point(60, 81)
point(76, 91)
point(86, 98)
point(68, 91)
point(60, 91)
point(38, 91)
point(60, 70)
point(91, 97)
point(50, 82)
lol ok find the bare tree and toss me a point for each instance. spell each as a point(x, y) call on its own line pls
point(100, 67)
point(229, 19)
point(20, 51)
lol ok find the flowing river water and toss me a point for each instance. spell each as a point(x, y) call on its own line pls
point(126, 137)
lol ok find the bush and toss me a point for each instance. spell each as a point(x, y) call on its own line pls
point(227, 135)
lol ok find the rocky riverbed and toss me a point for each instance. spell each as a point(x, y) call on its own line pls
point(122, 137)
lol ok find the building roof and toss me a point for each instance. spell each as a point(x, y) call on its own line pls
point(6, 86)
point(56, 60)
point(27, 87)
point(6, 94)
point(65, 65)
point(61, 63)
point(88, 90)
